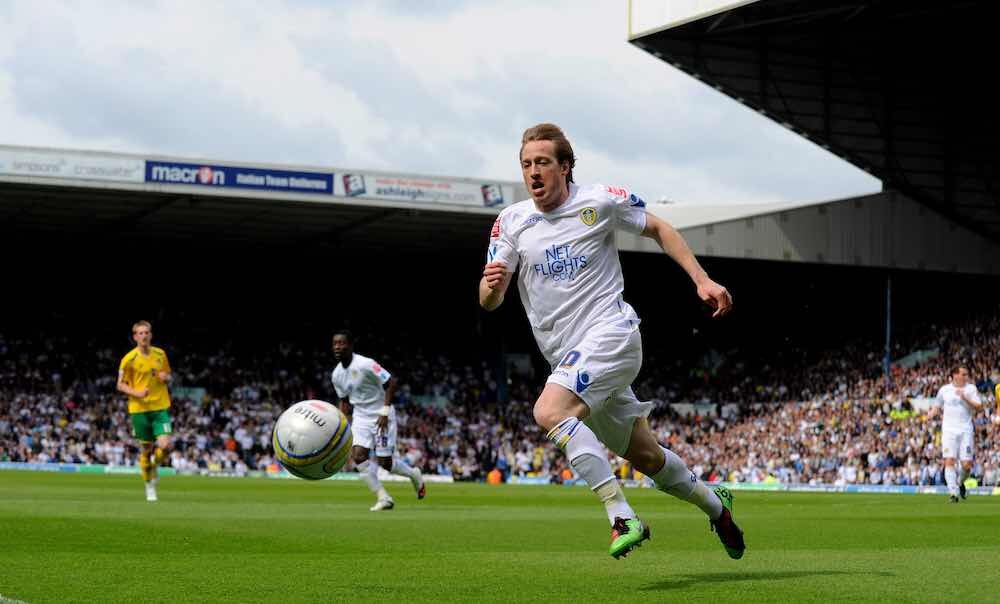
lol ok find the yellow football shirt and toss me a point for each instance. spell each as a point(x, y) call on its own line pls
point(141, 371)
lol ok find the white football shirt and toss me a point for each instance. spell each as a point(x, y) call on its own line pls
point(570, 278)
point(956, 417)
point(363, 383)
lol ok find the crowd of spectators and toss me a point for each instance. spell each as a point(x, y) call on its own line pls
point(819, 417)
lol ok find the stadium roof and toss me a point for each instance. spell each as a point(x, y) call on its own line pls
point(207, 202)
point(98, 198)
point(898, 88)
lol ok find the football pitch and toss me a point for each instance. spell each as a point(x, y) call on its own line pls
point(84, 538)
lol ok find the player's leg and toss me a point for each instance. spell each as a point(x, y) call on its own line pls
point(142, 429)
point(965, 458)
point(147, 469)
point(560, 412)
point(368, 471)
point(950, 444)
point(572, 401)
point(951, 479)
point(672, 476)
point(386, 449)
point(162, 429)
point(363, 433)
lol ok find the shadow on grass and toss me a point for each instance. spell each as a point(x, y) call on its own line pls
point(689, 580)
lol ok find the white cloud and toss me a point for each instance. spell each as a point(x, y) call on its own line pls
point(447, 89)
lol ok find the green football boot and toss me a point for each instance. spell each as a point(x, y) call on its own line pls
point(725, 527)
point(626, 535)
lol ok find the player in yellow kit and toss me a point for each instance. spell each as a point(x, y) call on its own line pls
point(996, 395)
point(143, 375)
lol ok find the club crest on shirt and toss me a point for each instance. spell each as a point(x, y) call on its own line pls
point(354, 374)
point(588, 216)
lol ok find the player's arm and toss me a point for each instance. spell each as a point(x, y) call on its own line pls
point(673, 245)
point(383, 416)
point(501, 262)
point(345, 406)
point(388, 382)
point(390, 391)
point(493, 285)
point(974, 403)
point(125, 388)
point(937, 405)
point(166, 374)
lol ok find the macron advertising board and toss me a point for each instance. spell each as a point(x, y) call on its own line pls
point(260, 179)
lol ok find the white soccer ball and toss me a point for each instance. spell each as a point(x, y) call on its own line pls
point(312, 440)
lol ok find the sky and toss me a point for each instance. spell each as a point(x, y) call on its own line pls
point(440, 87)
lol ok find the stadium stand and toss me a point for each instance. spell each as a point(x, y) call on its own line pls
point(818, 417)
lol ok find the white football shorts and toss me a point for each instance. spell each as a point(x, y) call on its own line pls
point(957, 445)
point(600, 370)
point(366, 433)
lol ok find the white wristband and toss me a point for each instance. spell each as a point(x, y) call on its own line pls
point(384, 412)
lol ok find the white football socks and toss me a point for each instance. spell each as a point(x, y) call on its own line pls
point(587, 456)
point(676, 479)
point(613, 497)
point(951, 477)
point(401, 468)
point(369, 473)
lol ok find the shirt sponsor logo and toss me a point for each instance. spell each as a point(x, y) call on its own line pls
point(582, 381)
point(495, 231)
point(618, 192)
point(635, 201)
point(560, 264)
point(588, 216)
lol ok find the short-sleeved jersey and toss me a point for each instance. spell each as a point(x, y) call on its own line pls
point(362, 383)
point(570, 278)
point(956, 414)
point(141, 371)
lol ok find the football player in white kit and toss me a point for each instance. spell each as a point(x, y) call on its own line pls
point(958, 401)
point(361, 382)
point(561, 243)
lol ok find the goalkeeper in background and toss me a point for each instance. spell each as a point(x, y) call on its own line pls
point(143, 375)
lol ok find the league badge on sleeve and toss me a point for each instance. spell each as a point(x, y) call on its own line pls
point(617, 192)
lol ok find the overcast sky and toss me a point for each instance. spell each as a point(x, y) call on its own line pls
point(441, 87)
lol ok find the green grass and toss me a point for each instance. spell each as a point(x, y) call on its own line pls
point(83, 538)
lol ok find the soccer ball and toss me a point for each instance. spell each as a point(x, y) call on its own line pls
point(312, 440)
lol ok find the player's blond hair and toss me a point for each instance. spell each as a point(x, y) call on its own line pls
point(139, 324)
point(551, 132)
